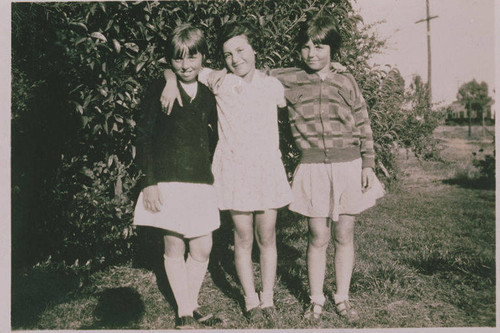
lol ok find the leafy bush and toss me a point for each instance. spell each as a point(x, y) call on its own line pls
point(383, 90)
point(420, 121)
point(79, 72)
point(486, 168)
point(93, 218)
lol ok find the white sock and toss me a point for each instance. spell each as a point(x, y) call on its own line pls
point(251, 301)
point(177, 277)
point(318, 299)
point(340, 298)
point(196, 271)
point(266, 299)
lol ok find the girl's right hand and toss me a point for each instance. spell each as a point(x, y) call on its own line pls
point(170, 93)
point(152, 198)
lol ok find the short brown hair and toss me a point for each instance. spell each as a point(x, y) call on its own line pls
point(321, 29)
point(186, 39)
point(233, 29)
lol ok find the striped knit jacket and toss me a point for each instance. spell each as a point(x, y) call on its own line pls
point(328, 118)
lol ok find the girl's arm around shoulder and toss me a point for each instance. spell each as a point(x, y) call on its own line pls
point(290, 72)
point(212, 78)
point(203, 75)
point(170, 92)
point(282, 73)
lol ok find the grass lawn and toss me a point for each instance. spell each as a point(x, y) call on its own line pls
point(425, 257)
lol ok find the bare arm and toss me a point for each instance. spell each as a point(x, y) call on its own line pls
point(215, 78)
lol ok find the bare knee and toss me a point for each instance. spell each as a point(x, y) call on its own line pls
point(243, 241)
point(319, 232)
point(319, 240)
point(344, 234)
point(266, 239)
point(174, 247)
point(200, 248)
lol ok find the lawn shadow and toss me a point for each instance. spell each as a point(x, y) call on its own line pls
point(221, 265)
point(33, 293)
point(118, 308)
point(475, 184)
point(149, 255)
point(454, 264)
point(290, 270)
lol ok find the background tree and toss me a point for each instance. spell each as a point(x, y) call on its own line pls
point(474, 97)
point(419, 121)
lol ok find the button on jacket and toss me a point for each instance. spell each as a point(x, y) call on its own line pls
point(177, 147)
point(328, 118)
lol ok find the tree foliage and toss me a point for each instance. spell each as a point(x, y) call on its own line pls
point(474, 96)
point(420, 121)
point(79, 72)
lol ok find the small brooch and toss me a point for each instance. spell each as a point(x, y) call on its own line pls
point(237, 89)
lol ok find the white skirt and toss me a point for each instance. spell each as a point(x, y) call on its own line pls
point(248, 182)
point(188, 209)
point(330, 190)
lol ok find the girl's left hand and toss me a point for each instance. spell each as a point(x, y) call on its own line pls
point(367, 176)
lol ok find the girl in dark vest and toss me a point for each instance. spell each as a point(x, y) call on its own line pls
point(174, 154)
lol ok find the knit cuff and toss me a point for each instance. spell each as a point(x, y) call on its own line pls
point(368, 162)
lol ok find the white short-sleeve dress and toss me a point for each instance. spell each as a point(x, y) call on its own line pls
point(247, 167)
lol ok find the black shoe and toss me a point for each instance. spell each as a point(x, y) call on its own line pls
point(205, 318)
point(255, 316)
point(186, 323)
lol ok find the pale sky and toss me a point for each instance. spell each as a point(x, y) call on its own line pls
point(462, 41)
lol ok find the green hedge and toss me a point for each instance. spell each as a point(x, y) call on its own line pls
point(79, 71)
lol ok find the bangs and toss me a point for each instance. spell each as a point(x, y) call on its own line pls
point(321, 30)
point(318, 36)
point(180, 50)
point(186, 40)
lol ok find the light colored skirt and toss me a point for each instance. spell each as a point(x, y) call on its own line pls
point(188, 209)
point(330, 190)
point(250, 182)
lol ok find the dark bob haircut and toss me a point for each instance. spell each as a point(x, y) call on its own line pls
point(186, 39)
point(233, 29)
point(321, 29)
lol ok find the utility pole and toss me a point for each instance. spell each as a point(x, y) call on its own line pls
point(428, 19)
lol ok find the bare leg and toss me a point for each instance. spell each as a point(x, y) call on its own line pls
point(200, 247)
point(319, 237)
point(265, 233)
point(243, 242)
point(344, 254)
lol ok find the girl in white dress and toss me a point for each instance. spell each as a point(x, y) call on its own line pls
point(250, 179)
